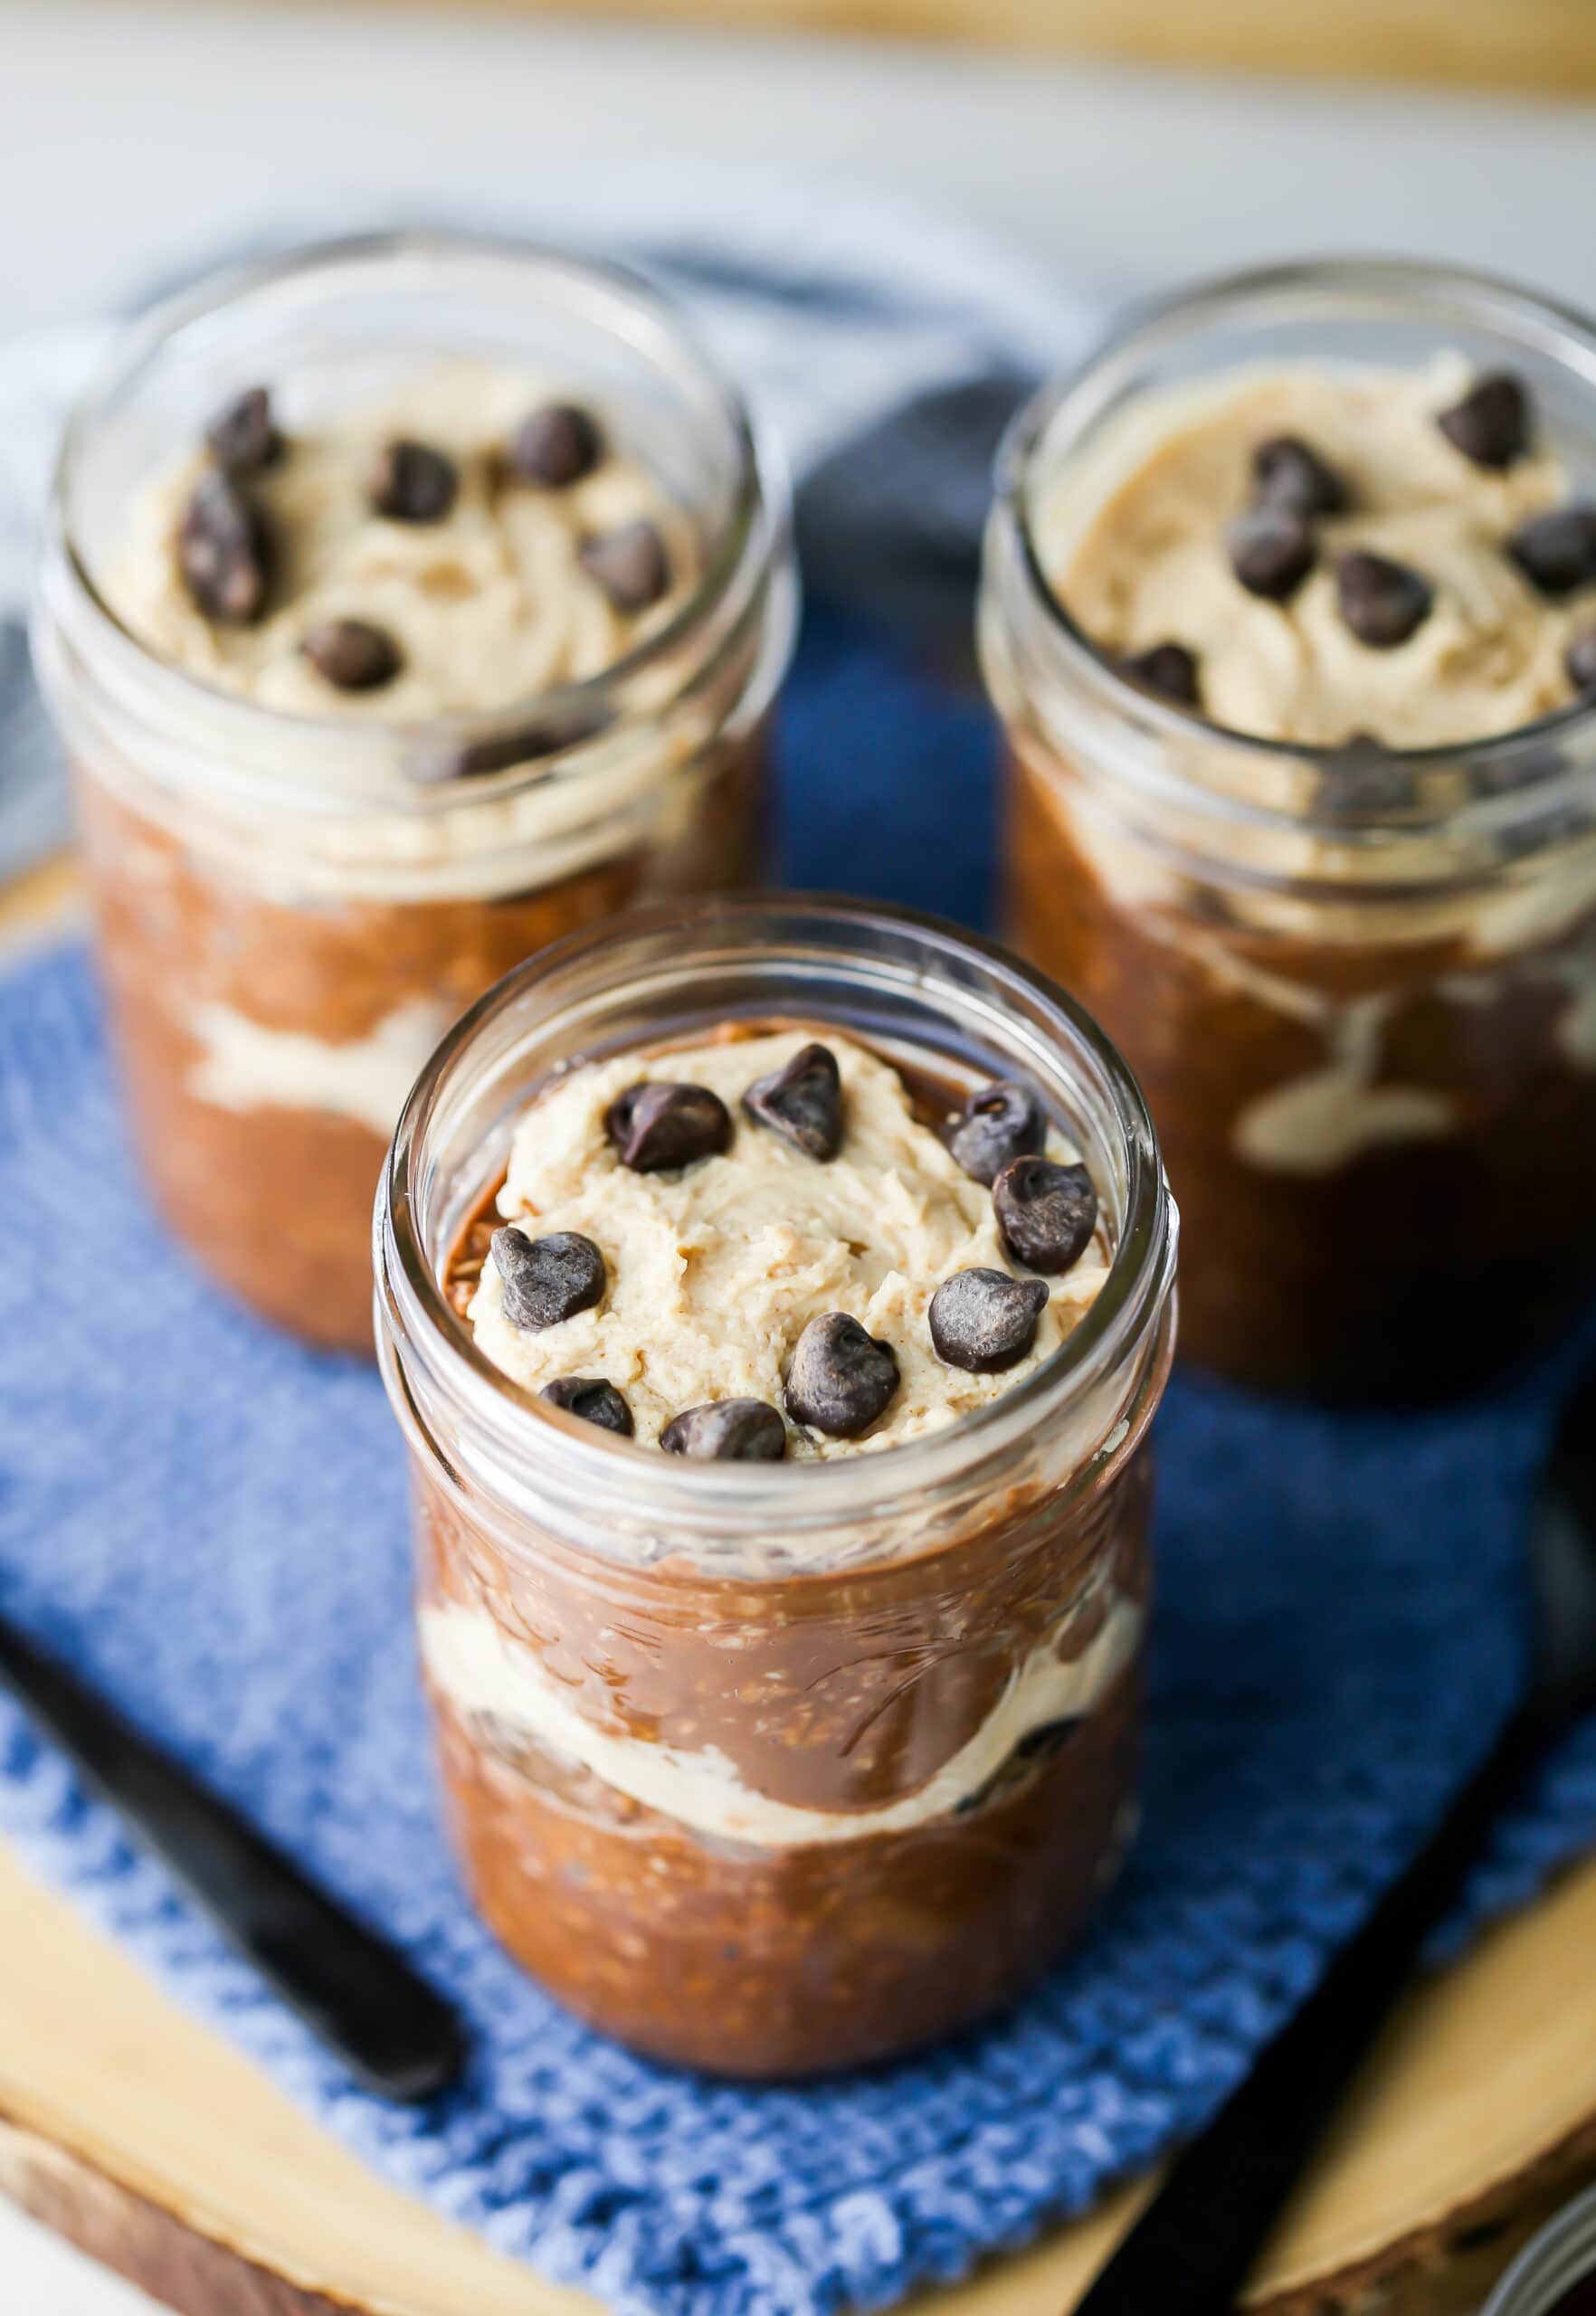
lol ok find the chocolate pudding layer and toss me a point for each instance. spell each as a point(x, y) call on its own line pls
point(391, 661)
point(841, 1770)
point(1294, 660)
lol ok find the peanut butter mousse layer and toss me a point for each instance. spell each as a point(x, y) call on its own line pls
point(768, 1222)
point(1326, 556)
point(469, 541)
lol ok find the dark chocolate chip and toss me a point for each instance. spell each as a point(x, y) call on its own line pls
point(841, 1378)
point(655, 1126)
point(223, 551)
point(986, 1321)
point(412, 483)
point(1491, 424)
point(1046, 1214)
point(544, 1280)
point(1364, 784)
point(630, 565)
point(544, 736)
point(727, 1431)
point(241, 438)
point(1271, 552)
point(801, 1101)
point(1169, 669)
point(1038, 1746)
point(1383, 602)
point(1290, 476)
point(1557, 552)
point(556, 445)
point(1580, 661)
point(1001, 1121)
point(593, 1399)
point(352, 654)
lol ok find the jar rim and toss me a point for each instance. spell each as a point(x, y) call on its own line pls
point(1163, 319)
point(1559, 2255)
point(639, 312)
point(1133, 1301)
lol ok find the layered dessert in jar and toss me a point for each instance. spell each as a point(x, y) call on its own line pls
point(406, 603)
point(1289, 609)
point(776, 1306)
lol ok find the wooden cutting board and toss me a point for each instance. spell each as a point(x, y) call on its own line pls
point(155, 2147)
point(142, 2136)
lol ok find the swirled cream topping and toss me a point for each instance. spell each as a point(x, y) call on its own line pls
point(486, 581)
point(713, 1271)
point(1479, 634)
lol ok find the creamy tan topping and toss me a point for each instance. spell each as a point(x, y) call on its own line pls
point(1136, 545)
point(490, 606)
point(714, 1271)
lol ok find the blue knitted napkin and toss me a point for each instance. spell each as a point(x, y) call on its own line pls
point(211, 1523)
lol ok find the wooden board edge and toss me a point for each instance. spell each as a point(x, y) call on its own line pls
point(153, 2247)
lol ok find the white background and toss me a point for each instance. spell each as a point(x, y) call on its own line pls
point(129, 135)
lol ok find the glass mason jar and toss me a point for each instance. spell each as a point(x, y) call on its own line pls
point(1358, 983)
point(291, 909)
point(771, 1770)
point(1556, 2269)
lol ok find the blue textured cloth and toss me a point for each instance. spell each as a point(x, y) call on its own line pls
point(211, 1523)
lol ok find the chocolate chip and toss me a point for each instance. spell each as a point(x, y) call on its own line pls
point(593, 1399)
point(1383, 602)
point(1557, 552)
point(556, 445)
point(1491, 424)
point(1046, 1214)
point(223, 552)
point(241, 438)
point(727, 1431)
point(984, 1321)
point(352, 654)
point(801, 1101)
point(412, 483)
point(655, 1126)
point(544, 1280)
point(1271, 552)
point(839, 1378)
point(1364, 784)
point(1038, 1746)
point(1001, 1121)
point(544, 736)
point(1293, 479)
point(1169, 669)
point(630, 565)
point(1580, 661)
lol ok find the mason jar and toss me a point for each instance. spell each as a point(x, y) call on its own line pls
point(291, 907)
point(773, 1769)
point(1358, 982)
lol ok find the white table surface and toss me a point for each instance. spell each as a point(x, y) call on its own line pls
point(129, 132)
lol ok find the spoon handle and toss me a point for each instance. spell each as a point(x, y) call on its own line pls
point(351, 1989)
point(1194, 2246)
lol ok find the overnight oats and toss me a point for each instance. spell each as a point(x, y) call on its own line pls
point(775, 1304)
point(1290, 613)
point(406, 604)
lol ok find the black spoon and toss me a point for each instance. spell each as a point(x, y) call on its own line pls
point(351, 1989)
point(1192, 2249)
